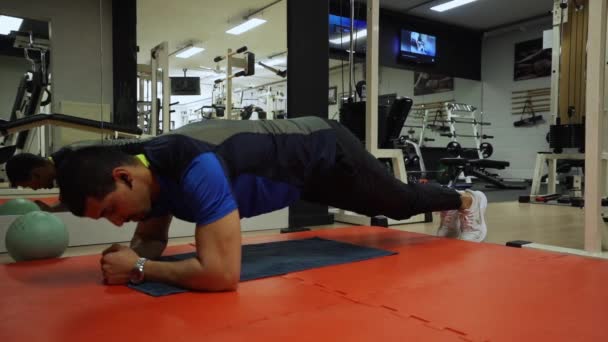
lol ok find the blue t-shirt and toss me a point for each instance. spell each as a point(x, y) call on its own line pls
point(208, 169)
point(206, 195)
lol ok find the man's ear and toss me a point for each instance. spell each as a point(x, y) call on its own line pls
point(121, 174)
point(34, 174)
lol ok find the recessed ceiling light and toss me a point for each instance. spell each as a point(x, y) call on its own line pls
point(8, 24)
point(191, 51)
point(450, 4)
point(246, 26)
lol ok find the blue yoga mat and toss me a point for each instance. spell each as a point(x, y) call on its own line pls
point(277, 258)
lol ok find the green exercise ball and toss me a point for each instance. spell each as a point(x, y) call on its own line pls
point(36, 235)
point(18, 206)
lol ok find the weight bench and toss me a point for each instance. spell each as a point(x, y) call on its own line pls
point(477, 168)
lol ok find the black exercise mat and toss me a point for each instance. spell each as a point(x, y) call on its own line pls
point(278, 258)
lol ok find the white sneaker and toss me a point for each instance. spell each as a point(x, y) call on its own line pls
point(450, 224)
point(472, 220)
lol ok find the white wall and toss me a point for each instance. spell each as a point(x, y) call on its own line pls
point(518, 145)
point(11, 72)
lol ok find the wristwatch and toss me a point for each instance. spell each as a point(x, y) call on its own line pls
point(137, 274)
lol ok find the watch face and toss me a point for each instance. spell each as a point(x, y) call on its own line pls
point(137, 276)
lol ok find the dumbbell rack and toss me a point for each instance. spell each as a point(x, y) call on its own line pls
point(460, 113)
point(422, 114)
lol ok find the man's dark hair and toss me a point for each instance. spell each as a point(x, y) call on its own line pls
point(19, 168)
point(87, 172)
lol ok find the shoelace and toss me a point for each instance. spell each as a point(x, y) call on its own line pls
point(447, 218)
point(467, 219)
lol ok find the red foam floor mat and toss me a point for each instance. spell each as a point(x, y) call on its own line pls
point(52, 200)
point(433, 290)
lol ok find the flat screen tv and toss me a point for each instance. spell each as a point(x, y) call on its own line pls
point(418, 47)
point(339, 33)
point(185, 85)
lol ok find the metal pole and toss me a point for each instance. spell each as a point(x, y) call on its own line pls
point(371, 118)
point(164, 60)
point(351, 49)
point(594, 120)
point(228, 113)
point(154, 93)
point(558, 19)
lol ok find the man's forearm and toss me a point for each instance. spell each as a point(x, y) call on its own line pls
point(151, 249)
point(151, 236)
point(191, 274)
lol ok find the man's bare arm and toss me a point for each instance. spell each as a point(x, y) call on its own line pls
point(151, 236)
point(217, 266)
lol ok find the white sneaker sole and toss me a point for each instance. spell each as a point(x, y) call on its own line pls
point(482, 210)
point(449, 233)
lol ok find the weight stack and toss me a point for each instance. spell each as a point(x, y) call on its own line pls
point(567, 136)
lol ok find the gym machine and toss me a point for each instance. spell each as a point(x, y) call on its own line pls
point(472, 162)
point(35, 82)
point(26, 119)
point(483, 150)
point(589, 17)
point(160, 72)
point(247, 63)
point(34, 85)
point(372, 121)
point(567, 105)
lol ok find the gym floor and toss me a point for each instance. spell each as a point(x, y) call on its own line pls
point(432, 289)
point(546, 224)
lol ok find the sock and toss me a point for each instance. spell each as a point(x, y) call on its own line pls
point(473, 199)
